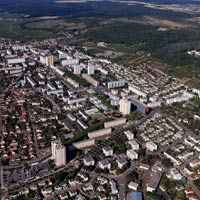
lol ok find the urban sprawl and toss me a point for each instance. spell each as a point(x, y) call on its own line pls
point(79, 127)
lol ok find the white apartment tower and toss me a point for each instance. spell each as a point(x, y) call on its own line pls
point(90, 69)
point(125, 106)
point(58, 153)
point(47, 60)
point(77, 69)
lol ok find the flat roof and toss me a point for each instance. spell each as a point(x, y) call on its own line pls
point(136, 196)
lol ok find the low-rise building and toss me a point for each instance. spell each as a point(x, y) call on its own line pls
point(132, 154)
point(153, 183)
point(134, 145)
point(129, 135)
point(107, 151)
point(133, 186)
point(88, 161)
point(121, 162)
point(104, 164)
point(151, 146)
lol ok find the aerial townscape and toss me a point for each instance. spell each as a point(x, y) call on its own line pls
point(85, 115)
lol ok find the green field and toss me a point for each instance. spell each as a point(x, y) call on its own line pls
point(13, 30)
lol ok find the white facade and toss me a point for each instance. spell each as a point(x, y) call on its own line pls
point(84, 144)
point(77, 69)
point(90, 69)
point(116, 84)
point(70, 62)
point(73, 82)
point(13, 61)
point(132, 154)
point(115, 123)
point(129, 135)
point(58, 153)
point(103, 71)
point(151, 146)
point(107, 151)
point(154, 104)
point(76, 100)
point(47, 60)
point(134, 145)
point(125, 106)
point(57, 70)
point(104, 164)
point(182, 97)
point(137, 91)
point(88, 161)
point(133, 186)
point(100, 133)
point(196, 91)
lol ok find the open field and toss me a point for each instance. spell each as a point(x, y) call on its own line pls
point(193, 82)
point(53, 24)
point(163, 22)
point(12, 29)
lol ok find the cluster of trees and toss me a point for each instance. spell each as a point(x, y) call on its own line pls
point(81, 135)
point(78, 79)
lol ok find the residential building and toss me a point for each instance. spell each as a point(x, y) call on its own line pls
point(116, 84)
point(88, 161)
point(90, 80)
point(58, 153)
point(153, 183)
point(114, 123)
point(129, 135)
point(125, 106)
point(90, 69)
point(47, 60)
point(107, 151)
point(151, 146)
point(104, 164)
point(133, 155)
point(77, 69)
point(134, 145)
point(133, 186)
